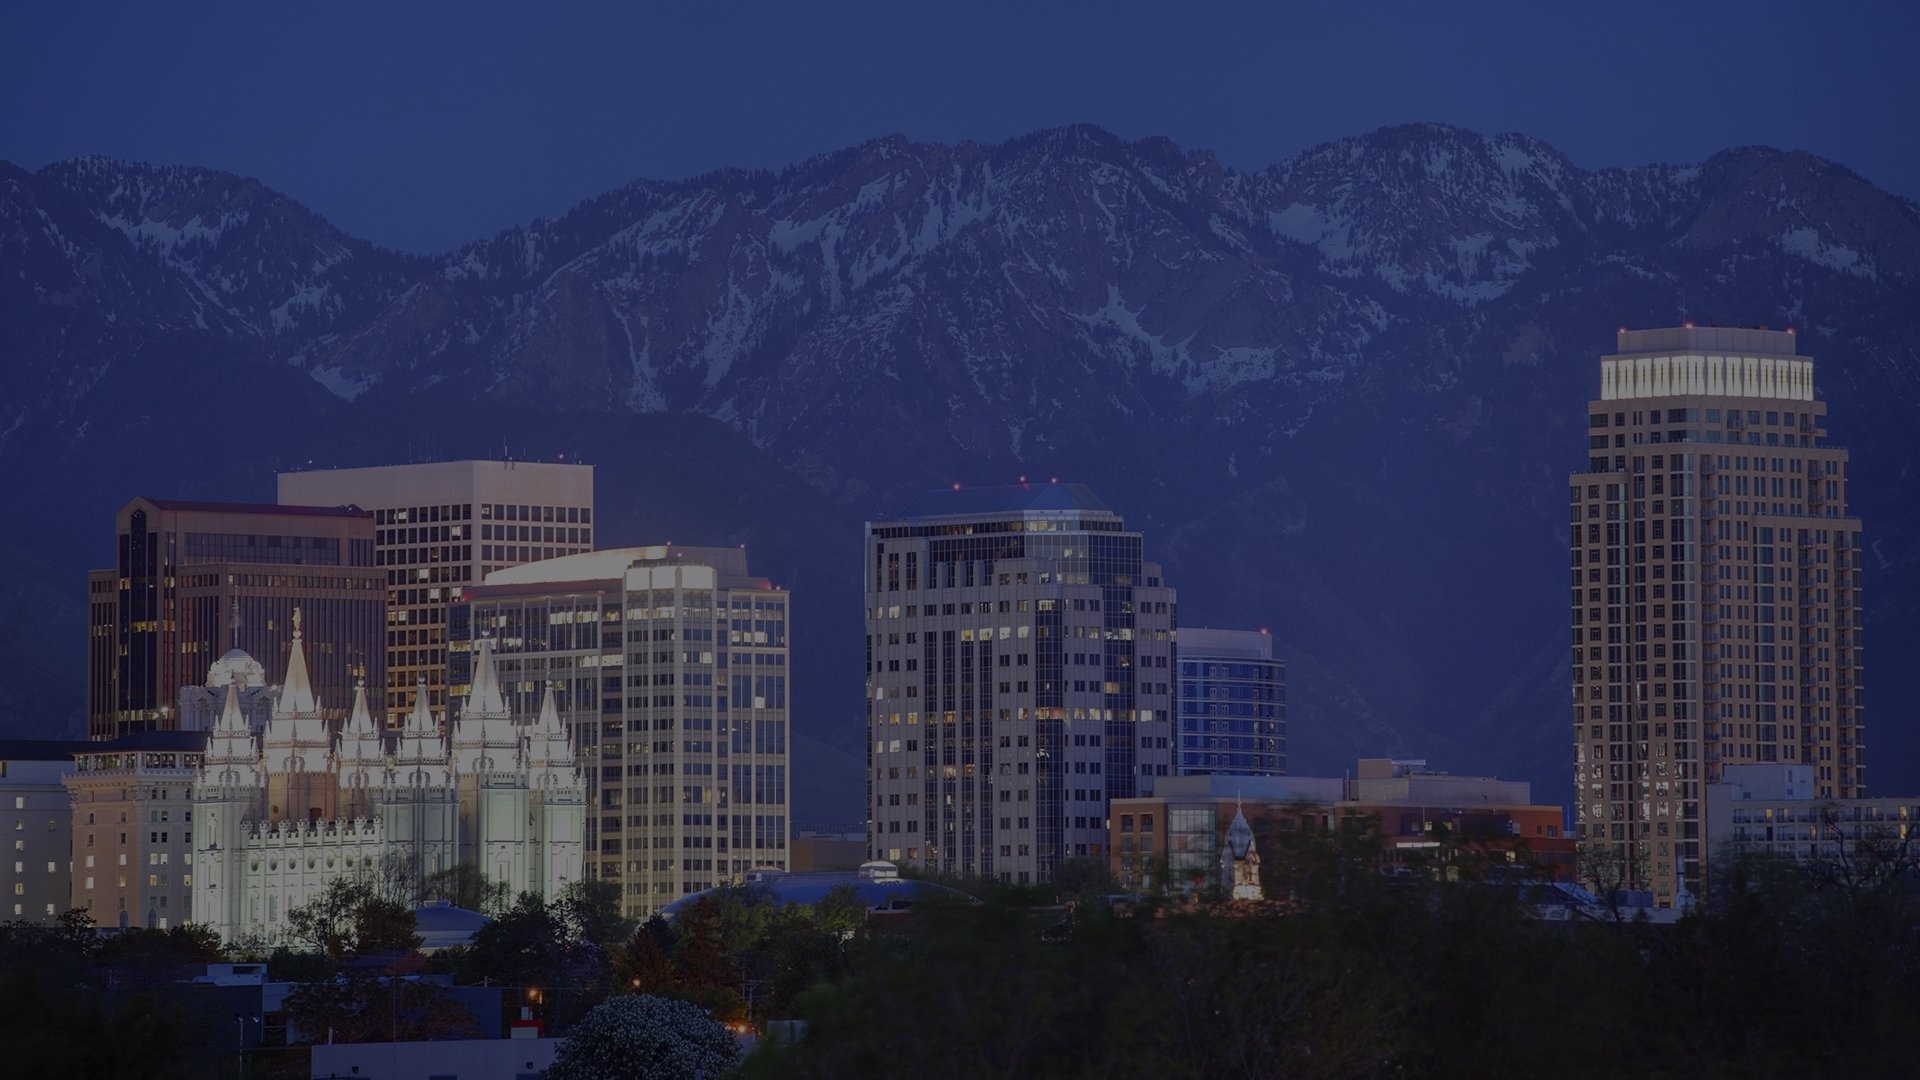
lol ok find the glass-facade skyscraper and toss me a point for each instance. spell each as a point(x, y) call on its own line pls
point(1232, 704)
point(1019, 677)
point(1715, 595)
point(192, 580)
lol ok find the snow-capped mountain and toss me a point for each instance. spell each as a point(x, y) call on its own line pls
point(1340, 393)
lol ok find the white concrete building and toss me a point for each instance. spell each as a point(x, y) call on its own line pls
point(286, 811)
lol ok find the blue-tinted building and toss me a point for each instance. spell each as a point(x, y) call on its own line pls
point(1232, 703)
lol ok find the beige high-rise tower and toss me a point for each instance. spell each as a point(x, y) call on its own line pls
point(1715, 601)
point(445, 525)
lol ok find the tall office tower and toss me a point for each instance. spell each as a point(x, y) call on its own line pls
point(443, 526)
point(1019, 676)
point(1233, 704)
point(1715, 595)
point(669, 665)
point(195, 580)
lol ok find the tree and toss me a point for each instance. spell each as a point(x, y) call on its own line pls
point(192, 943)
point(362, 1007)
point(532, 945)
point(592, 909)
point(1083, 879)
point(639, 1037)
point(1858, 857)
point(350, 918)
point(465, 885)
point(645, 964)
point(397, 878)
point(1610, 871)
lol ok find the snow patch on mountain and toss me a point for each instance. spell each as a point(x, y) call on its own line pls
point(341, 384)
point(1808, 244)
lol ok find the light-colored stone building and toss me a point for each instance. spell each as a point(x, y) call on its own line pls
point(286, 811)
point(669, 664)
point(131, 806)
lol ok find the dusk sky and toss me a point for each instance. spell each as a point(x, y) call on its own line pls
point(425, 125)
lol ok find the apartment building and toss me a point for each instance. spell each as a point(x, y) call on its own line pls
point(1715, 594)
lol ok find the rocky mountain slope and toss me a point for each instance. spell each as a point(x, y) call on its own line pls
point(1341, 394)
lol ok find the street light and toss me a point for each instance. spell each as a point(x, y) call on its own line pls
point(241, 1020)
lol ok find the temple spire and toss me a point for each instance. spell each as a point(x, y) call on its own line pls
point(420, 721)
point(360, 721)
point(232, 720)
point(296, 693)
point(485, 698)
point(549, 722)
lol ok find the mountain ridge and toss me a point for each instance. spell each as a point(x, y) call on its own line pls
point(1305, 381)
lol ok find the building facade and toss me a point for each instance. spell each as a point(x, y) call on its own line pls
point(1019, 678)
point(1715, 595)
point(36, 880)
point(1772, 811)
point(287, 810)
point(669, 665)
point(441, 527)
point(131, 804)
point(1232, 703)
point(1179, 836)
point(193, 580)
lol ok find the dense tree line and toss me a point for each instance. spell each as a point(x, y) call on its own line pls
point(1343, 972)
point(1351, 973)
point(77, 1004)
